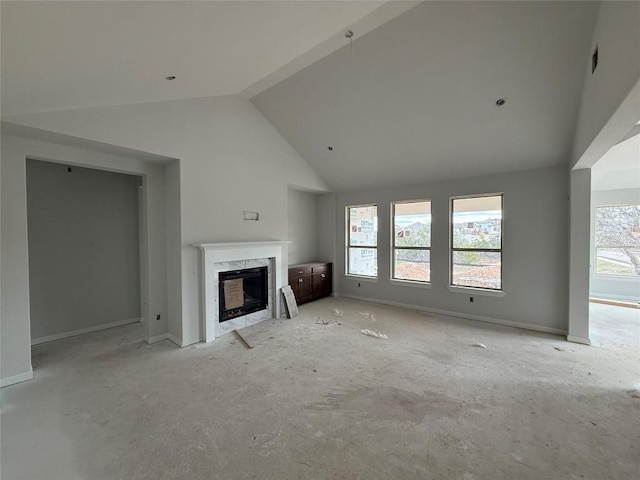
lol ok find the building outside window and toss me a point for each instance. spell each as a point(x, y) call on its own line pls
point(362, 240)
point(476, 241)
point(618, 240)
point(411, 243)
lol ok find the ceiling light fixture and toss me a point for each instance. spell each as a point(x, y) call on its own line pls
point(170, 77)
point(501, 101)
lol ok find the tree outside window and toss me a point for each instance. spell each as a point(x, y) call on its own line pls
point(618, 240)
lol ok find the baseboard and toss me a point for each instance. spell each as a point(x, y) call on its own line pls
point(615, 303)
point(466, 316)
point(82, 331)
point(21, 377)
point(582, 340)
point(164, 336)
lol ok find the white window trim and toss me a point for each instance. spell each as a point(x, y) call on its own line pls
point(369, 278)
point(399, 281)
point(409, 283)
point(486, 292)
point(489, 292)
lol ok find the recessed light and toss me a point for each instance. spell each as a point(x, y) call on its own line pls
point(501, 101)
point(330, 148)
point(171, 77)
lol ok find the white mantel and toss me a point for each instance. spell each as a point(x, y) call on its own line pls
point(215, 258)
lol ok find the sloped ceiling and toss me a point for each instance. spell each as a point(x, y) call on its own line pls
point(619, 168)
point(415, 99)
point(60, 55)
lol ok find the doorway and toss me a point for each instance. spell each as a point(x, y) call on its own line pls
point(614, 283)
point(85, 244)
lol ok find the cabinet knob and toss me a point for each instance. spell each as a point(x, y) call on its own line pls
point(300, 280)
point(323, 275)
point(300, 272)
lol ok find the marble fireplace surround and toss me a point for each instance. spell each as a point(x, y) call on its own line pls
point(222, 257)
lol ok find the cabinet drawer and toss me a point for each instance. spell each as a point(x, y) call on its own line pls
point(301, 270)
point(320, 268)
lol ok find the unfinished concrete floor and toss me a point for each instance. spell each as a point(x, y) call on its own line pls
point(314, 401)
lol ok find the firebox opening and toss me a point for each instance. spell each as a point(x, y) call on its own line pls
point(242, 292)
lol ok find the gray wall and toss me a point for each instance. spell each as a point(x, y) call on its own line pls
point(302, 224)
point(535, 240)
point(608, 286)
point(84, 259)
point(15, 350)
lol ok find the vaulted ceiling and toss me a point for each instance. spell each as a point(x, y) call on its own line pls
point(413, 99)
point(71, 54)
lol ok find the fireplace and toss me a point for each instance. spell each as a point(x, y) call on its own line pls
point(217, 258)
point(242, 292)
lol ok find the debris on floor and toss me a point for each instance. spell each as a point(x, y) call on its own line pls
point(244, 340)
point(337, 312)
point(369, 315)
point(479, 345)
point(371, 333)
point(634, 393)
point(559, 349)
point(319, 321)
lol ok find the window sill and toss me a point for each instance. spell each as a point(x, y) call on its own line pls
point(476, 291)
point(613, 276)
point(359, 278)
point(409, 283)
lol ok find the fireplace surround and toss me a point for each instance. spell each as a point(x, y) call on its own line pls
point(216, 258)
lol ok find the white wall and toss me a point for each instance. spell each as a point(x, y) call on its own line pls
point(84, 250)
point(609, 108)
point(15, 311)
point(609, 286)
point(601, 120)
point(302, 224)
point(231, 159)
point(534, 249)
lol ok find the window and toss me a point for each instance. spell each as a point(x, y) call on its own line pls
point(362, 244)
point(476, 242)
point(411, 240)
point(618, 240)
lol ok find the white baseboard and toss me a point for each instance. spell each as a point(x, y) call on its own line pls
point(164, 336)
point(21, 377)
point(574, 339)
point(495, 321)
point(81, 331)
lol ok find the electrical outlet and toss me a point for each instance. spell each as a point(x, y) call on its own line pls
point(158, 317)
point(471, 299)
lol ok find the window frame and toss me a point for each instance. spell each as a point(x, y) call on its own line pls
point(393, 277)
point(349, 246)
point(452, 249)
point(617, 276)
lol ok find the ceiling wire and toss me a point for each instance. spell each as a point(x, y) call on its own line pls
point(349, 34)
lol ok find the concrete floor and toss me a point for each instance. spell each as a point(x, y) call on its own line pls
point(315, 401)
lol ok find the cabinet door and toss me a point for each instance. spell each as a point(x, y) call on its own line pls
point(304, 288)
point(321, 284)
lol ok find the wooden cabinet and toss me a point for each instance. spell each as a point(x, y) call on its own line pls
point(310, 281)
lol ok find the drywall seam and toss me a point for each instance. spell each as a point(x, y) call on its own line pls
point(81, 331)
point(466, 316)
point(19, 378)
